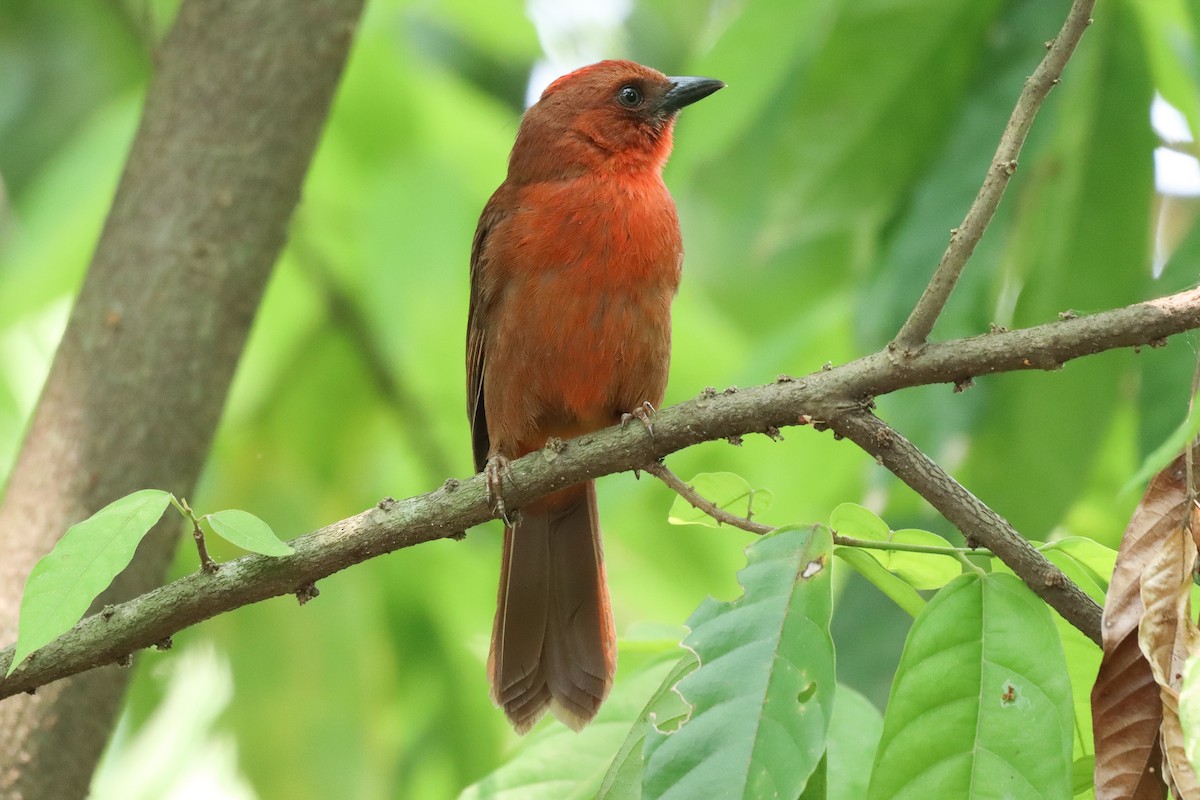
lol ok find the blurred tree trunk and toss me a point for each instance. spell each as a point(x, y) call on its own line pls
point(231, 119)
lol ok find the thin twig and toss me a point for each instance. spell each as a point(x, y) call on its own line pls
point(908, 547)
point(699, 501)
point(966, 236)
point(206, 563)
point(702, 503)
point(969, 514)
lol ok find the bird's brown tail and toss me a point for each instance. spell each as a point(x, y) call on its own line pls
point(553, 643)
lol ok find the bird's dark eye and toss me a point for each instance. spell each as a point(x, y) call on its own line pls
point(629, 96)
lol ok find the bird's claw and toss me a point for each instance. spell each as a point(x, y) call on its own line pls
point(493, 472)
point(642, 414)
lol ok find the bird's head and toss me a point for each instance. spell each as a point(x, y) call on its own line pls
point(613, 115)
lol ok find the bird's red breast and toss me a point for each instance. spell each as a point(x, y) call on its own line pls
point(574, 265)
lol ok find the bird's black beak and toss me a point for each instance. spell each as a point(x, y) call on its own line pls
point(685, 91)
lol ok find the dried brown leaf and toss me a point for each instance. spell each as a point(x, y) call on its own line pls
point(1127, 701)
point(1126, 717)
point(1167, 637)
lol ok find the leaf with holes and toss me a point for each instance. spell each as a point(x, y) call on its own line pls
point(66, 580)
point(1083, 658)
point(666, 711)
point(981, 702)
point(728, 491)
point(247, 532)
point(762, 695)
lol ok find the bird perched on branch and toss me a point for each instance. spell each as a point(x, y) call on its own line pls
point(573, 268)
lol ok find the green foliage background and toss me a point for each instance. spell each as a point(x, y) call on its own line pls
point(815, 194)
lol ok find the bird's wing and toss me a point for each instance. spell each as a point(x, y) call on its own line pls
point(493, 214)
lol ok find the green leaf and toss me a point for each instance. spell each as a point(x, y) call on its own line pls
point(1170, 41)
point(1093, 558)
point(1076, 230)
point(1165, 453)
point(1189, 709)
point(981, 699)
point(921, 570)
point(762, 696)
point(247, 532)
point(666, 711)
point(730, 492)
point(817, 787)
point(900, 592)
point(851, 519)
point(1082, 771)
point(65, 581)
point(854, 733)
point(1082, 655)
point(555, 763)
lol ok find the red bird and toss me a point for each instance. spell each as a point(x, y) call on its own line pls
point(574, 265)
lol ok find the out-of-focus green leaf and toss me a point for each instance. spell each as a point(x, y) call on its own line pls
point(1169, 36)
point(729, 491)
point(1166, 452)
point(817, 787)
point(247, 532)
point(981, 699)
point(60, 65)
point(65, 581)
point(785, 35)
point(899, 590)
point(45, 248)
point(1079, 241)
point(829, 160)
point(762, 697)
point(854, 734)
point(1082, 770)
point(182, 745)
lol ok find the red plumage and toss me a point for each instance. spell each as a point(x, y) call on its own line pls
point(574, 265)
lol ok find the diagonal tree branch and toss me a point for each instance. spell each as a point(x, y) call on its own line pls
point(835, 398)
point(978, 523)
point(966, 236)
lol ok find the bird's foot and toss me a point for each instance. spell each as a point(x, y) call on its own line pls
point(493, 472)
point(642, 414)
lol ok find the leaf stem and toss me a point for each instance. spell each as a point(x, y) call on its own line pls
point(969, 564)
point(660, 470)
point(206, 562)
point(905, 547)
